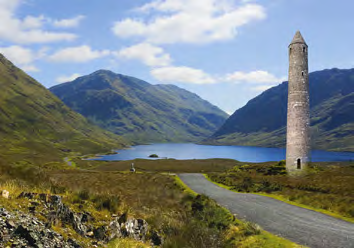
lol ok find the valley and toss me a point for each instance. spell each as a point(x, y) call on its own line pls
point(53, 192)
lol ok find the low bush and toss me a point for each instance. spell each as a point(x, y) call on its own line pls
point(109, 202)
point(329, 187)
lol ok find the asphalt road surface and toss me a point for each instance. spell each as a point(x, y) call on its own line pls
point(300, 225)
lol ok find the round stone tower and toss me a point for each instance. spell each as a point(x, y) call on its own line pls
point(298, 125)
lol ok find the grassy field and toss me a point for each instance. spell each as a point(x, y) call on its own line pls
point(183, 218)
point(164, 165)
point(328, 187)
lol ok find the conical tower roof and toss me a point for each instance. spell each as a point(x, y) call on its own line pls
point(298, 39)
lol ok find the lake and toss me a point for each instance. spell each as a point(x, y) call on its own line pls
point(240, 153)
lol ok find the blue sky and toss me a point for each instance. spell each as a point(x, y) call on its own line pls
point(226, 51)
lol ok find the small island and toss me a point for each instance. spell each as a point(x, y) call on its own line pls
point(153, 156)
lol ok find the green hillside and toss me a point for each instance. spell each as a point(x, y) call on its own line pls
point(36, 127)
point(262, 122)
point(139, 111)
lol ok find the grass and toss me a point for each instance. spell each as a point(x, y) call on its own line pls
point(126, 243)
point(161, 165)
point(285, 199)
point(183, 218)
point(327, 188)
point(236, 233)
point(184, 187)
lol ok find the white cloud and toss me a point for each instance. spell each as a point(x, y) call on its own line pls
point(33, 22)
point(258, 80)
point(29, 68)
point(262, 88)
point(18, 55)
point(148, 54)
point(26, 30)
point(22, 57)
point(253, 77)
point(64, 79)
point(182, 75)
point(69, 23)
point(186, 21)
point(80, 54)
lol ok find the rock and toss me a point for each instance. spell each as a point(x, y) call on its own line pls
point(18, 229)
point(10, 224)
point(136, 229)
point(35, 203)
point(5, 194)
point(28, 231)
point(86, 217)
point(25, 233)
point(44, 197)
point(73, 243)
point(77, 225)
point(100, 233)
point(32, 209)
point(55, 201)
point(123, 218)
point(114, 229)
point(27, 195)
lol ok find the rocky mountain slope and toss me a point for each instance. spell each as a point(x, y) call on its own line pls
point(139, 111)
point(35, 126)
point(262, 122)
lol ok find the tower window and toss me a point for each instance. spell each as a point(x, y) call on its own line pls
point(302, 73)
point(290, 50)
point(303, 49)
point(298, 163)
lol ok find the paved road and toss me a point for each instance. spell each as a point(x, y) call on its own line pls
point(302, 226)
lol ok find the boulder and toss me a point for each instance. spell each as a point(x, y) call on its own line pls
point(114, 229)
point(136, 229)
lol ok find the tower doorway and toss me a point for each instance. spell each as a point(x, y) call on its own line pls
point(298, 164)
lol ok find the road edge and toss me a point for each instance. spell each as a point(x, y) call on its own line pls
point(285, 200)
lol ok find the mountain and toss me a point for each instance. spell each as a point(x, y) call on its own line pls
point(36, 127)
point(139, 111)
point(262, 122)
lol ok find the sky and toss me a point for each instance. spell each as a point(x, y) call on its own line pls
point(226, 51)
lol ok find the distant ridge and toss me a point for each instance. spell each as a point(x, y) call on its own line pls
point(139, 111)
point(262, 122)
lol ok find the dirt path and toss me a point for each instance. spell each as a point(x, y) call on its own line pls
point(302, 226)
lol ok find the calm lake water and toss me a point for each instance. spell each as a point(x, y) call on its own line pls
point(241, 153)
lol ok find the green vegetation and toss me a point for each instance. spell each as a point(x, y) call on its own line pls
point(262, 121)
point(234, 233)
point(328, 187)
point(127, 243)
point(161, 165)
point(36, 128)
point(139, 111)
point(183, 218)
